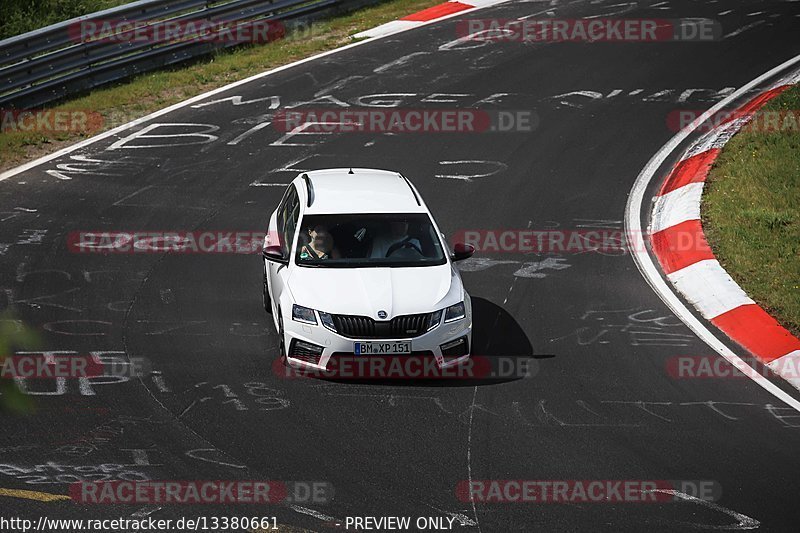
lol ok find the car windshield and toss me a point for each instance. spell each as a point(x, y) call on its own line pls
point(369, 240)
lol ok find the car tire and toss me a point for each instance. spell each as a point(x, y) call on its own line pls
point(267, 299)
point(281, 342)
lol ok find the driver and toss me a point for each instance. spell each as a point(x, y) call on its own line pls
point(397, 238)
point(320, 245)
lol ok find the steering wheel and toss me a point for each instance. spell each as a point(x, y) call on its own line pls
point(403, 244)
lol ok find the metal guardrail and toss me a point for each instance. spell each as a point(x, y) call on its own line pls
point(54, 62)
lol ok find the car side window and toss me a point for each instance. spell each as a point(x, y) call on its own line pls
point(280, 215)
point(287, 219)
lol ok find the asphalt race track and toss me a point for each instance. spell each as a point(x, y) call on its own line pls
point(601, 404)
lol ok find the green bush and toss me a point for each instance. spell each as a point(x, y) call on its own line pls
point(21, 16)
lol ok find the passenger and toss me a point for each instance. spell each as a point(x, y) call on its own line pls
point(398, 238)
point(320, 246)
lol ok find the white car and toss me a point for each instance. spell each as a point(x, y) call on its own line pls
point(354, 265)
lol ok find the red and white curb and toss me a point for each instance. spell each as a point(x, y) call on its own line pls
point(425, 16)
point(678, 242)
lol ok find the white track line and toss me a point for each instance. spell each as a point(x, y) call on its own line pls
point(633, 227)
point(14, 171)
point(312, 512)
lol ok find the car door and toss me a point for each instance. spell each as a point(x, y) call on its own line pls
point(283, 228)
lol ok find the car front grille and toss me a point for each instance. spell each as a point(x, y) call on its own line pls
point(364, 327)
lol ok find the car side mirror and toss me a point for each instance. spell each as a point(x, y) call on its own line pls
point(462, 251)
point(274, 253)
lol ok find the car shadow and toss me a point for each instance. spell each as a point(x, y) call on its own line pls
point(501, 353)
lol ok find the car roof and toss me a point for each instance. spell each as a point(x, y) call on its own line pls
point(359, 190)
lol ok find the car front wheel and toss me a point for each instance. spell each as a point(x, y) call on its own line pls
point(267, 299)
point(282, 343)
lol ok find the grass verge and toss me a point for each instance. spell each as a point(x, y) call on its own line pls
point(751, 213)
point(141, 95)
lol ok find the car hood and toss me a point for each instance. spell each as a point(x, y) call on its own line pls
point(365, 291)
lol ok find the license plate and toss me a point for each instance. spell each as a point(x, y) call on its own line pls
point(382, 348)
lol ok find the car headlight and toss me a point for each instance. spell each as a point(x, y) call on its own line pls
point(434, 319)
point(455, 312)
point(327, 321)
point(303, 314)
